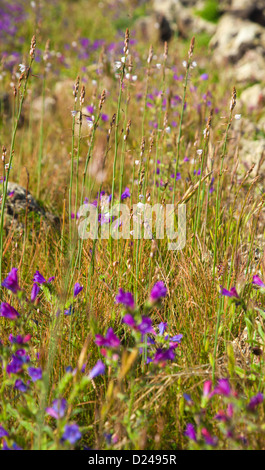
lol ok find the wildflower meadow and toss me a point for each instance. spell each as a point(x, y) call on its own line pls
point(132, 262)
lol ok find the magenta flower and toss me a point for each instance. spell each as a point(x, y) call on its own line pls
point(190, 432)
point(144, 327)
point(98, 369)
point(207, 387)
point(109, 341)
point(223, 388)
point(58, 408)
point(229, 293)
point(211, 441)
point(258, 282)
point(8, 311)
point(158, 291)
point(77, 289)
point(71, 433)
point(19, 339)
point(11, 281)
point(125, 298)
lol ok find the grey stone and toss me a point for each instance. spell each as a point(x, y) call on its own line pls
point(234, 37)
point(19, 201)
point(253, 97)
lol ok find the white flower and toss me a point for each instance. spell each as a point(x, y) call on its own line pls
point(194, 64)
point(184, 63)
point(134, 78)
point(128, 76)
point(117, 64)
point(22, 68)
point(199, 152)
point(158, 66)
point(168, 130)
point(123, 59)
point(137, 162)
point(237, 116)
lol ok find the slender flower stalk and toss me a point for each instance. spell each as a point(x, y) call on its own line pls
point(24, 76)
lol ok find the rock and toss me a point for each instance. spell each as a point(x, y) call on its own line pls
point(234, 37)
point(253, 10)
point(253, 97)
point(49, 106)
point(153, 28)
point(251, 68)
point(19, 201)
point(181, 17)
point(251, 152)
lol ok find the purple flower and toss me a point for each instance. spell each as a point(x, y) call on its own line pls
point(15, 366)
point(258, 282)
point(109, 341)
point(14, 446)
point(163, 355)
point(175, 339)
point(69, 310)
point(129, 320)
point(255, 401)
point(98, 369)
point(3, 432)
point(158, 291)
point(223, 388)
point(38, 277)
point(34, 292)
point(19, 385)
point(77, 289)
point(58, 408)
point(11, 281)
point(125, 194)
point(162, 328)
point(8, 312)
point(229, 293)
point(71, 433)
point(204, 76)
point(35, 373)
point(145, 326)
point(125, 298)
point(19, 339)
point(104, 117)
point(190, 432)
